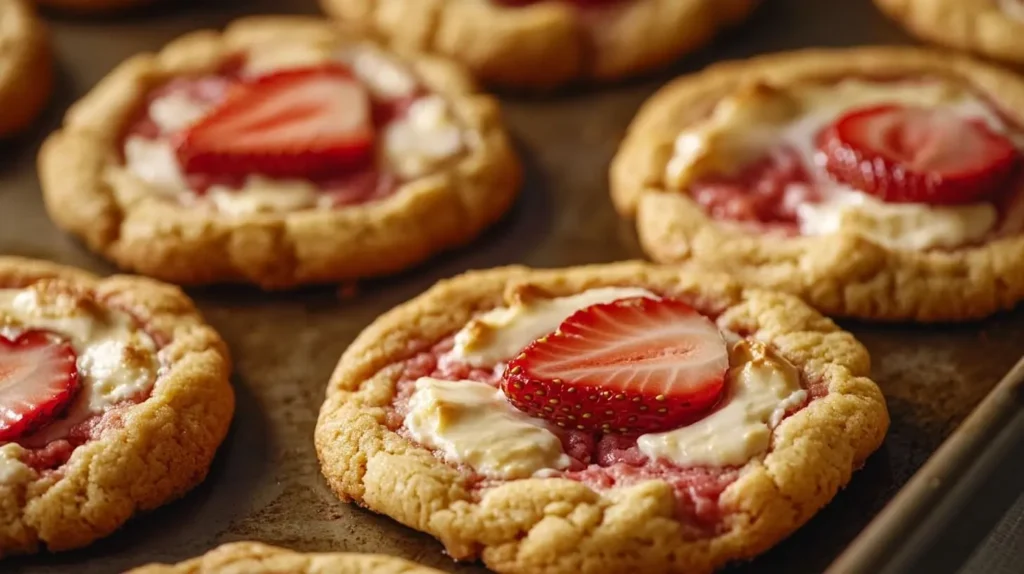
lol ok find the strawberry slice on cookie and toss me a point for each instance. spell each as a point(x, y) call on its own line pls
point(303, 123)
point(903, 154)
point(38, 378)
point(631, 366)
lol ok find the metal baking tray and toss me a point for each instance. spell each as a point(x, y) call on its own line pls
point(265, 483)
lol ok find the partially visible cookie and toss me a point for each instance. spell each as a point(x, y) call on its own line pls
point(617, 419)
point(26, 66)
point(546, 43)
point(114, 397)
point(281, 152)
point(874, 182)
point(991, 28)
point(257, 558)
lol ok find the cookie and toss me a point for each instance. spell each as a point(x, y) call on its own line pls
point(26, 66)
point(616, 418)
point(283, 151)
point(114, 396)
point(992, 28)
point(256, 558)
point(778, 169)
point(547, 43)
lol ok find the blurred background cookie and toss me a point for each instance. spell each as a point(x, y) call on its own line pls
point(26, 67)
point(992, 28)
point(546, 43)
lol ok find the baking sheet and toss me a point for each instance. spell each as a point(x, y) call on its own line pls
point(952, 506)
point(265, 483)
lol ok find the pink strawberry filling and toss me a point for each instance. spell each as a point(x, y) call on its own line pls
point(52, 454)
point(600, 461)
point(368, 182)
point(765, 193)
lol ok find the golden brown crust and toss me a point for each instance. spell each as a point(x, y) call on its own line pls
point(165, 445)
point(26, 66)
point(122, 218)
point(546, 44)
point(980, 26)
point(842, 274)
point(562, 526)
point(257, 558)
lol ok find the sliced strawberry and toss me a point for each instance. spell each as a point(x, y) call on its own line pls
point(631, 366)
point(38, 378)
point(918, 155)
point(305, 123)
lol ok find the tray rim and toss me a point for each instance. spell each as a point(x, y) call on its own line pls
point(940, 501)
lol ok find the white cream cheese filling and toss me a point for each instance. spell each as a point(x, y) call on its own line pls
point(500, 334)
point(412, 145)
point(760, 389)
point(386, 77)
point(116, 360)
point(473, 423)
point(743, 127)
point(899, 225)
point(424, 138)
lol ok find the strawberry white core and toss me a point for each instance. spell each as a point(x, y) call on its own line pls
point(117, 361)
point(498, 335)
point(761, 388)
point(748, 124)
point(38, 377)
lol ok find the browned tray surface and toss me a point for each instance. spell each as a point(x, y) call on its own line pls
point(266, 484)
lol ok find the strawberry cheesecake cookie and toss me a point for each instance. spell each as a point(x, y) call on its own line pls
point(547, 43)
point(26, 66)
point(114, 396)
point(617, 419)
point(992, 28)
point(283, 151)
point(880, 183)
point(256, 558)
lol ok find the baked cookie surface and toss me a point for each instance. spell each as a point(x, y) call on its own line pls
point(991, 28)
point(777, 169)
point(283, 151)
point(257, 558)
point(419, 422)
point(114, 399)
point(546, 43)
point(26, 66)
